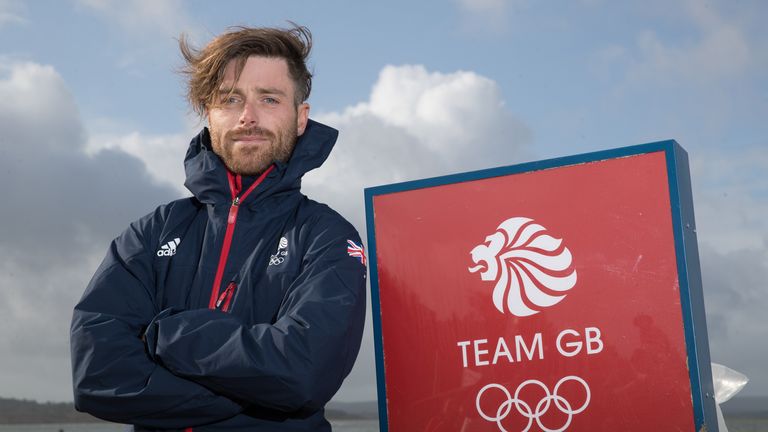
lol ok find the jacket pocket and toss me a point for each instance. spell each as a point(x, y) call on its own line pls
point(224, 302)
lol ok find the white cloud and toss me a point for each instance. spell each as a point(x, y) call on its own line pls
point(484, 6)
point(416, 124)
point(139, 17)
point(735, 286)
point(162, 155)
point(486, 15)
point(731, 193)
point(11, 12)
point(34, 99)
point(144, 30)
point(439, 109)
point(60, 209)
point(720, 50)
point(9, 18)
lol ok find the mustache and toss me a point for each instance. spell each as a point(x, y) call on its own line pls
point(252, 131)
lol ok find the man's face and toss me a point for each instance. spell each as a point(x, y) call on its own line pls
point(255, 121)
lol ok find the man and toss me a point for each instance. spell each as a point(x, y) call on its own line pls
point(240, 308)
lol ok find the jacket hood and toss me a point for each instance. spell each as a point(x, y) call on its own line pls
point(207, 174)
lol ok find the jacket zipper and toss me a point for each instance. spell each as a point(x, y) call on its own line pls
point(234, 187)
point(225, 298)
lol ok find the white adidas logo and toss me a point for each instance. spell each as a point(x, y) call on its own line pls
point(169, 249)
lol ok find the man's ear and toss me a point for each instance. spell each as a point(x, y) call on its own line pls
point(302, 116)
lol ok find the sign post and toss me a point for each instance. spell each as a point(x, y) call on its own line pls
point(556, 295)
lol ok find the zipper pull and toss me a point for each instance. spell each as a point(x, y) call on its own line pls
point(226, 295)
point(232, 217)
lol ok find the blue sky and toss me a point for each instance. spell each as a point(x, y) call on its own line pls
point(95, 125)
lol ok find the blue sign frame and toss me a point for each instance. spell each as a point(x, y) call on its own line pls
point(686, 251)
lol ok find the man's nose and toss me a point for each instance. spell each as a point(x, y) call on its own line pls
point(249, 115)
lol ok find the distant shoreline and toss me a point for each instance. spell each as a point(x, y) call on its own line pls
point(23, 411)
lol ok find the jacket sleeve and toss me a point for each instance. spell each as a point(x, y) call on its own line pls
point(113, 376)
point(295, 364)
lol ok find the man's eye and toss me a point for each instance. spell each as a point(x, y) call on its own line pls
point(230, 100)
point(271, 101)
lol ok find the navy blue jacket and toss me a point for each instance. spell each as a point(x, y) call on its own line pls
point(238, 309)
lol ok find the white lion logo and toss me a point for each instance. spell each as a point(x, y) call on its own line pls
point(531, 268)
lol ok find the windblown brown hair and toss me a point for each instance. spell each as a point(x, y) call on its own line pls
point(205, 67)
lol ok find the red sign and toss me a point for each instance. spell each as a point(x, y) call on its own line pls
point(537, 300)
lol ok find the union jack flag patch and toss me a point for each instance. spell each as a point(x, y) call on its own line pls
point(355, 250)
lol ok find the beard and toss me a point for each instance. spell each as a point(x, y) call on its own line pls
point(253, 159)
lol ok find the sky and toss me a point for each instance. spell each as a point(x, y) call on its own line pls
point(94, 126)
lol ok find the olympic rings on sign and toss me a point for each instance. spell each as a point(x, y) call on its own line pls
point(522, 407)
point(275, 260)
